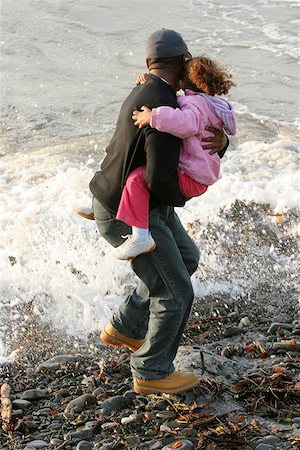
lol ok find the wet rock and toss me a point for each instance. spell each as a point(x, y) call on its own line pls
point(267, 440)
point(34, 394)
point(64, 392)
point(84, 434)
point(244, 322)
point(98, 391)
point(265, 447)
point(84, 445)
point(56, 362)
point(81, 403)
point(55, 442)
point(132, 440)
point(36, 444)
point(296, 420)
point(114, 404)
point(108, 425)
point(181, 444)
point(232, 331)
point(21, 404)
point(166, 415)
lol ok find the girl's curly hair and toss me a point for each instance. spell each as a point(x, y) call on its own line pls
point(205, 75)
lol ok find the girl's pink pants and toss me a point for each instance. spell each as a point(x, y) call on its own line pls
point(134, 204)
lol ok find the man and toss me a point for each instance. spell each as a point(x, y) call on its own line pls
point(151, 320)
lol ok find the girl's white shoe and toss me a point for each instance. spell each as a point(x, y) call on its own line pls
point(130, 249)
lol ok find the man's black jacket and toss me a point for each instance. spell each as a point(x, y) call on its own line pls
point(131, 147)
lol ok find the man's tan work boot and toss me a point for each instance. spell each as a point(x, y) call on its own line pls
point(113, 337)
point(172, 384)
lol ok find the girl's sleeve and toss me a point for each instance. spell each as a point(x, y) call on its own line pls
point(182, 122)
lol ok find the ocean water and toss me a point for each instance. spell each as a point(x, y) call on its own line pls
point(66, 67)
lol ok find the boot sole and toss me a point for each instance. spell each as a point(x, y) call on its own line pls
point(145, 390)
point(85, 216)
point(114, 342)
point(130, 258)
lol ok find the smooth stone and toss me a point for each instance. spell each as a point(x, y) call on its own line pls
point(64, 392)
point(132, 440)
point(265, 447)
point(244, 322)
point(232, 331)
point(81, 403)
point(296, 420)
point(34, 394)
point(114, 404)
point(21, 404)
point(55, 426)
point(37, 444)
point(127, 420)
point(56, 442)
point(82, 434)
point(57, 361)
point(108, 425)
point(185, 445)
point(98, 391)
point(166, 415)
point(84, 445)
point(269, 439)
point(44, 411)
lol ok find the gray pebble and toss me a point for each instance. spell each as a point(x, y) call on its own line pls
point(83, 434)
point(55, 363)
point(269, 439)
point(56, 442)
point(98, 391)
point(37, 444)
point(108, 425)
point(186, 445)
point(265, 447)
point(85, 401)
point(34, 394)
point(84, 445)
point(114, 404)
point(166, 415)
point(296, 420)
point(132, 440)
point(21, 404)
point(232, 331)
point(44, 411)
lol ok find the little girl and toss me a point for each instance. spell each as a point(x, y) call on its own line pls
point(198, 169)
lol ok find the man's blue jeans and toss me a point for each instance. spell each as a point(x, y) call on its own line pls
point(160, 305)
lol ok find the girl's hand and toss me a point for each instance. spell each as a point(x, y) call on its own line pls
point(142, 118)
point(141, 79)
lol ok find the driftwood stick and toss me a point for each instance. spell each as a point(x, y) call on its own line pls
point(6, 407)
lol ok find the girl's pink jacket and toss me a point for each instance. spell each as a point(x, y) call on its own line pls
point(196, 112)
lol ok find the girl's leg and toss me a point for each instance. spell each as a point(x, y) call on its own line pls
point(189, 187)
point(134, 211)
point(134, 204)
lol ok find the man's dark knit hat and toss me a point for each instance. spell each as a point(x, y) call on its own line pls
point(165, 44)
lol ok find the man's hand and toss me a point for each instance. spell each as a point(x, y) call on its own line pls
point(141, 79)
point(217, 142)
point(142, 118)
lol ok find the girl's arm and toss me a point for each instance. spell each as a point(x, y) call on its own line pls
point(182, 123)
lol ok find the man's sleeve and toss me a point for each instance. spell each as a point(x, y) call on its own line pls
point(161, 175)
